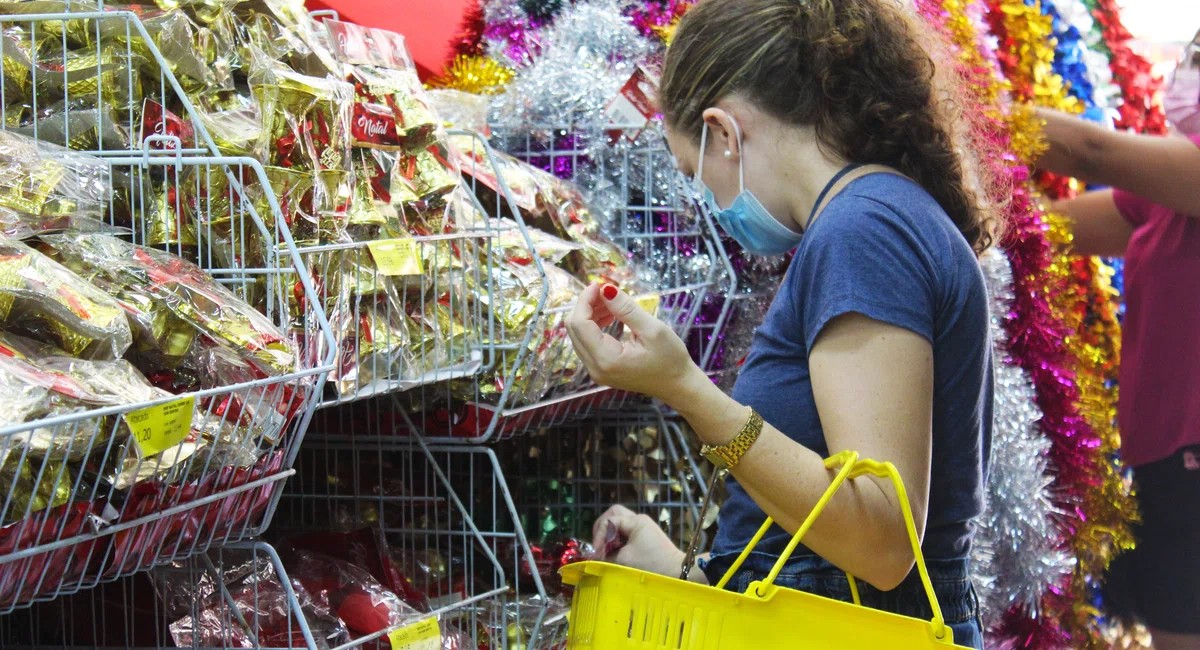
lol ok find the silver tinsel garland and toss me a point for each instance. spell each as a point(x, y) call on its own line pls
point(557, 104)
point(1016, 555)
point(587, 54)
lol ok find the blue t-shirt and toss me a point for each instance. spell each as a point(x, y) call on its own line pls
point(883, 248)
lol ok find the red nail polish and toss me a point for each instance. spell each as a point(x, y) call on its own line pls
point(610, 292)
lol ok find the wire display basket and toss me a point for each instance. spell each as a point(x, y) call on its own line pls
point(421, 319)
point(627, 203)
point(499, 519)
point(101, 80)
point(132, 467)
point(240, 596)
point(101, 493)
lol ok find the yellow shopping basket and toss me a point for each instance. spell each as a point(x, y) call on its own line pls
point(616, 607)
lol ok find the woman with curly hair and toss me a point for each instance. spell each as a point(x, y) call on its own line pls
point(822, 126)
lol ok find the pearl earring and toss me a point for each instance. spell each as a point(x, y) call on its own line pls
point(728, 154)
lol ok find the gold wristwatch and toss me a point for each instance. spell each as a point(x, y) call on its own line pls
point(728, 455)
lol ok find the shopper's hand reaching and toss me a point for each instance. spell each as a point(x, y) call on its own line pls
point(651, 359)
point(640, 543)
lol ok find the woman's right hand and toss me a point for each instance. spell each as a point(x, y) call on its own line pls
point(643, 545)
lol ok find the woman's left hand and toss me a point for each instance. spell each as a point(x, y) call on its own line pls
point(651, 360)
point(642, 544)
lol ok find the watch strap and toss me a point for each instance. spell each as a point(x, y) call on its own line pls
point(728, 455)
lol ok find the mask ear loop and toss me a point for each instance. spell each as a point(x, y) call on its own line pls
point(699, 179)
point(737, 130)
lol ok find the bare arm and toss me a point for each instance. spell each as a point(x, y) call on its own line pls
point(873, 385)
point(1162, 169)
point(1098, 227)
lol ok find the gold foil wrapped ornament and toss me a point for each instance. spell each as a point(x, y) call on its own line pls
point(42, 299)
point(78, 129)
point(208, 199)
point(161, 340)
point(189, 51)
point(377, 348)
point(282, 109)
point(42, 179)
point(359, 276)
point(293, 190)
point(30, 192)
point(189, 293)
point(426, 175)
point(442, 338)
point(70, 385)
point(13, 64)
point(364, 215)
point(331, 199)
point(516, 290)
point(98, 76)
point(32, 485)
point(416, 122)
point(306, 120)
point(460, 336)
point(17, 114)
point(165, 223)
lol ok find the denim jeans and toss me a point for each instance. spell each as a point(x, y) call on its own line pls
point(812, 574)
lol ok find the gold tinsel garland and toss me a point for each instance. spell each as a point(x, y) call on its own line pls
point(479, 75)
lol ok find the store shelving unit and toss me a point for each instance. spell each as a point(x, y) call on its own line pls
point(420, 433)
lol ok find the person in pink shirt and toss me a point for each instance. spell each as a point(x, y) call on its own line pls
point(1152, 219)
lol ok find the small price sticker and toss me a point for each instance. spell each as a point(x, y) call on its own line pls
point(649, 303)
point(396, 256)
point(424, 635)
point(157, 428)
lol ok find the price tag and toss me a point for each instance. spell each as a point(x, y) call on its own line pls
point(423, 635)
point(158, 428)
point(633, 108)
point(649, 303)
point(396, 256)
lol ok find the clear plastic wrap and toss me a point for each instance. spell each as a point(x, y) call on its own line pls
point(551, 205)
point(170, 290)
point(46, 382)
point(39, 179)
point(306, 130)
point(367, 548)
point(364, 605)
point(72, 126)
point(256, 594)
point(44, 300)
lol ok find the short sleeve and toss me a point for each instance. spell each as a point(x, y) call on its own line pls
point(867, 259)
point(1136, 210)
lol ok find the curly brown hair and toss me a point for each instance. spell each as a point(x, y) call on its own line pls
point(858, 71)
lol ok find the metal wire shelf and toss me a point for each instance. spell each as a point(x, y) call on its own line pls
point(522, 499)
point(240, 596)
point(118, 509)
point(78, 77)
point(114, 508)
point(483, 561)
point(673, 251)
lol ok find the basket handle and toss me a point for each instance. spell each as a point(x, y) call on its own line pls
point(851, 467)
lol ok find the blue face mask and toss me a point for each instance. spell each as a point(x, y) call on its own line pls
point(746, 219)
